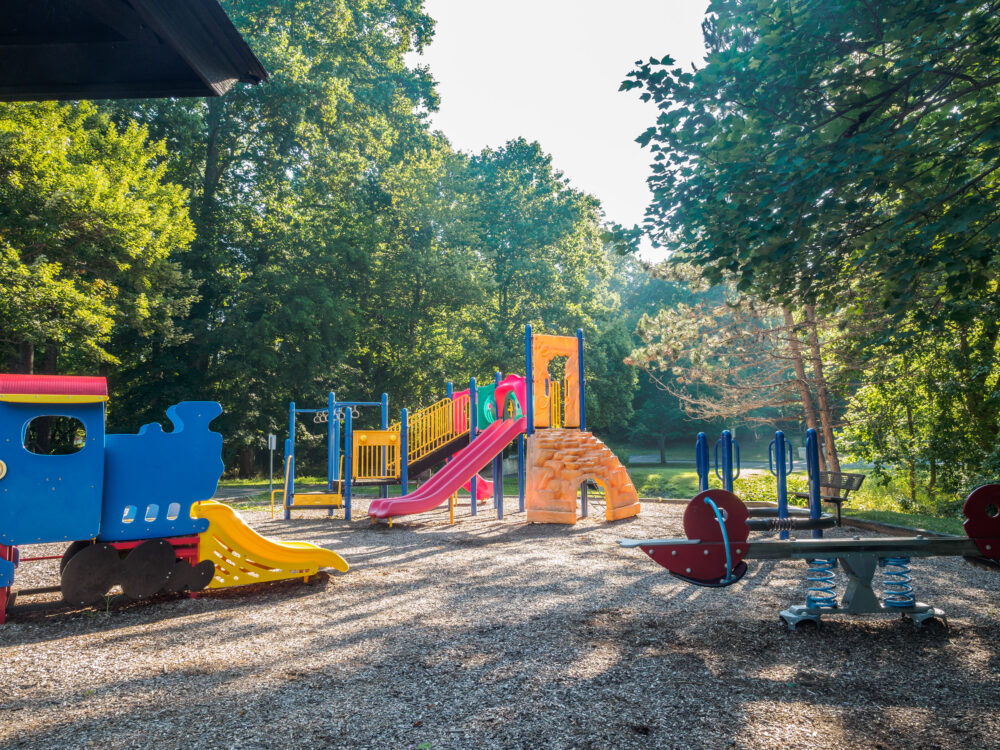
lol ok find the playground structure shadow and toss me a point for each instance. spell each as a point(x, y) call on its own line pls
point(502, 634)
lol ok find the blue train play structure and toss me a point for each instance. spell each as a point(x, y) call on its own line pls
point(132, 507)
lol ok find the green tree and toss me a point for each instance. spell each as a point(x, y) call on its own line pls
point(90, 235)
point(827, 145)
point(541, 251)
point(291, 198)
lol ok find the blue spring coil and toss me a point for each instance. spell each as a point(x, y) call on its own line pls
point(897, 589)
point(821, 595)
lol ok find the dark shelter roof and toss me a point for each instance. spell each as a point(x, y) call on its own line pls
point(101, 49)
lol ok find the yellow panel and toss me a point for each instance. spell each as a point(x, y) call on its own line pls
point(50, 398)
point(242, 556)
point(317, 498)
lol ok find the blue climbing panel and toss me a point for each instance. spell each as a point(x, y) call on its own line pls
point(152, 479)
point(50, 498)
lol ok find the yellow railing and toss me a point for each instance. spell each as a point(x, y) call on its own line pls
point(435, 426)
point(375, 454)
point(556, 405)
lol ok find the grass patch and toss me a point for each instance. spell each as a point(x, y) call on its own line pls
point(911, 520)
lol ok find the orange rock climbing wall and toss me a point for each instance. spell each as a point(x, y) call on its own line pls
point(559, 461)
point(543, 349)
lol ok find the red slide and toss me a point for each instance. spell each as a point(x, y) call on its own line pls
point(463, 465)
point(484, 488)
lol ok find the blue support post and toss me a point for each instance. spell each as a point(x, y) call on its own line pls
point(520, 473)
point(584, 510)
point(329, 441)
point(383, 491)
point(498, 463)
point(779, 459)
point(529, 382)
point(331, 457)
point(335, 447)
point(812, 469)
point(473, 486)
point(349, 461)
point(701, 460)
point(583, 402)
point(726, 475)
point(404, 449)
point(290, 496)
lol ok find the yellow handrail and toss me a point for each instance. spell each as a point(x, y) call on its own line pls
point(435, 426)
point(376, 452)
point(284, 489)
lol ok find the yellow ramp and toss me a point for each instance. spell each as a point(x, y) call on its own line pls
point(242, 556)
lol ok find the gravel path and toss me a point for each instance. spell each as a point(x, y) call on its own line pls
point(496, 634)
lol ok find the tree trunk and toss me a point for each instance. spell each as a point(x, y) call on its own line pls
point(50, 360)
point(663, 449)
point(795, 350)
point(246, 458)
point(822, 392)
point(911, 464)
point(26, 358)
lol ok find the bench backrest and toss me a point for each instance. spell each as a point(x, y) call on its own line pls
point(840, 481)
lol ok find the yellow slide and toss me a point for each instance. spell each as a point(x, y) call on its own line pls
point(242, 556)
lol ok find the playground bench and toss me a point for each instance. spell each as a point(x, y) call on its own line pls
point(835, 487)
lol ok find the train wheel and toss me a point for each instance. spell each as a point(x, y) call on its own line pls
point(70, 551)
point(191, 578)
point(88, 574)
point(148, 568)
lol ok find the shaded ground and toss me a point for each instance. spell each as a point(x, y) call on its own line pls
point(496, 634)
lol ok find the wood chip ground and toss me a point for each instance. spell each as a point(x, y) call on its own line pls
point(498, 634)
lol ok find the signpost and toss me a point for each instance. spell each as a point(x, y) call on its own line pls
point(272, 443)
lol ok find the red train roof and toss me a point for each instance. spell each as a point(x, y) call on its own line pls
point(57, 385)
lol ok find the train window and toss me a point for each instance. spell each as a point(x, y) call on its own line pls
point(173, 510)
point(55, 436)
point(152, 511)
point(129, 515)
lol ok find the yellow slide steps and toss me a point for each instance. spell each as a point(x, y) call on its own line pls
point(242, 556)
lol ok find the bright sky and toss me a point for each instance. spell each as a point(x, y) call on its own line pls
point(549, 70)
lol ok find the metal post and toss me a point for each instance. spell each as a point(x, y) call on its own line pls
point(584, 510)
point(529, 382)
point(404, 449)
point(726, 441)
point(289, 477)
point(329, 441)
point(349, 461)
point(812, 469)
point(272, 443)
point(383, 491)
point(701, 460)
point(473, 485)
point(520, 473)
point(498, 461)
point(330, 457)
point(335, 450)
point(583, 403)
point(776, 463)
point(291, 464)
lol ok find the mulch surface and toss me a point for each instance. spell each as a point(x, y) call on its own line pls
point(498, 634)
